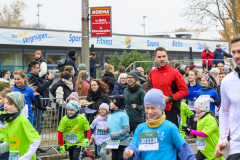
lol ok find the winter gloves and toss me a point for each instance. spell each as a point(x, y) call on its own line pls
point(62, 149)
point(85, 142)
point(186, 129)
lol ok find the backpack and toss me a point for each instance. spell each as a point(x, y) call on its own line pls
point(61, 64)
point(53, 89)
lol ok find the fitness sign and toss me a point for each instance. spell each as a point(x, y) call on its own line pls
point(101, 22)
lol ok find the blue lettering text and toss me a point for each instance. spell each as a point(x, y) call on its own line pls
point(152, 44)
point(177, 44)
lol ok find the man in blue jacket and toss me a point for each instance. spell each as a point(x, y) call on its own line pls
point(72, 56)
point(92, 65)
point(219, 54)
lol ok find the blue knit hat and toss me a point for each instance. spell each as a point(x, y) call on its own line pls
point(18, 99)
point(105, 106)
point(74, 105)
point(155, 97)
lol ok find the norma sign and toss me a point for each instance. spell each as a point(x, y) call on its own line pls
point(101, 22)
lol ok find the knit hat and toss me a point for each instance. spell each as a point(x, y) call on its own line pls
point(74, 95)
point(74, 105)
point(38, 52)
point(182, 72)
point(18, 99)
point(192, 66)
point(155, 97)
point(135, 74)
point(82, 66)
point(203, 103)
point(183, 67)
point(72, 52)
point(85, 76)
point(105, 106)
point(118, 101)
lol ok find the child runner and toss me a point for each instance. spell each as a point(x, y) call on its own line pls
point(193, 87)
point(22, 138)
point(3, 126)
point(118, 126)
point(158, 138)
point(185, 112)
point(206, 89)
point(207, 131)
point(98, 125)
point(73, 125)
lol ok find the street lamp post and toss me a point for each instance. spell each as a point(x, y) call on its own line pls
point(144, 24)
point(39, 5)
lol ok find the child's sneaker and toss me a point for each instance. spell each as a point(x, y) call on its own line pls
point(88, 153)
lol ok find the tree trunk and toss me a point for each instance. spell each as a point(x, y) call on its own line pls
point(234, 7)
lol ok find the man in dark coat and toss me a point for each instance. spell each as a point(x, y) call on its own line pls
point(92, 65)
point(219, 54)
point(72, 56)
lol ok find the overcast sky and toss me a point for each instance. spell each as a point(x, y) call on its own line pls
point(127, 15)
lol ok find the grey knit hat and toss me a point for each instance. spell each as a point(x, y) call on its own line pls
point(82, 66)
point(135, 74)
point(105, 106)
point(155, 97)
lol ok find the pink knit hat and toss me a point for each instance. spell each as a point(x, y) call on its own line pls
point(74, 95)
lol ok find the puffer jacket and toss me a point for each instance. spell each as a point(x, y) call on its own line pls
point(119, 88)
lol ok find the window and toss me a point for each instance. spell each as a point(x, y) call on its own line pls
point(11, 58)
point(30, 56)
point(53, 58)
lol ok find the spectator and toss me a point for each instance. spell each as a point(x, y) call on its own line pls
point(120, 85)
point(147, 85)
point(97, 93)
point(141, 70)
point(172, 84)
point(142, 78)
point(4, 79)
point(207, 55)
point(220, 66)
point(71, 70)
point(108, 77)
point(12, 83)
point(82, 67)
point(193, 67)
point(21, 85)
point(72, 56)
point(121, 69)
point(102, 72)
point(43, 64)
point(177, 65)
point(227, 69)
point(219, 56)
point(215, 72)
point(206, 89)
point(186, 69)
point(82, 84)
point(134, 104)
point(64, 88)
point(92, 65)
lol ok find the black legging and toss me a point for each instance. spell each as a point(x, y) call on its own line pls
point(200, 156)
point(133, 126)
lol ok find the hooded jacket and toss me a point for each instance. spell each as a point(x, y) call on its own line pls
point(92, 68)
point(43, 67)
point(64, 89)
point(207, 56)
point(219, 54)
point(71, 62)
point(109, 79)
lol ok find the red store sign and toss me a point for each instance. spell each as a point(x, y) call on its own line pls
point(101, 22)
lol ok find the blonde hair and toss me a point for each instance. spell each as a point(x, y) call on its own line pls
point(216, 70)
point(22, 74)
point(68, 68)
point(79, 82)
point(123, 75)
point(211, 82)
point(108, 67)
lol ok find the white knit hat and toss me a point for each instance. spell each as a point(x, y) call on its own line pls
point(203, 103)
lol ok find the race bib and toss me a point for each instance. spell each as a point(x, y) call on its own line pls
point(2, 125)
point(14, 155)
point(148, 141)
point(200, 143)
point(101, 133)
point(191, 104)
point(113, 144)
point(71, 138)
point(180, 120)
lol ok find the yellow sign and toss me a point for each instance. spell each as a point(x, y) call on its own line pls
point(128, 42)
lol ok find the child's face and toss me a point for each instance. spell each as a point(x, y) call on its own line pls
point(102, 112)
point(9, 108)
point(152, 112)
point(198, 111)
point(113, 106)
point(71, 99)
point(204, 82)
point(11, 84)
point(1, 101)
point(70, 112)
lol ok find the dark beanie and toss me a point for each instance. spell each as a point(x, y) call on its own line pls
point(72, 52)
point(182, 72)
point(135, 74)
point(67, 76)
point(118, 101)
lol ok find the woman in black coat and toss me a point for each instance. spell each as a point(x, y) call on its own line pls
point(108, 77)
point(97, 94)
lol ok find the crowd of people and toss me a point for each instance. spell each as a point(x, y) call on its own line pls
point(135, 115)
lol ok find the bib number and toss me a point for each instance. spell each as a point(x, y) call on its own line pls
point(14, 155)
point(2, 125)
point(148, 141)
point(71, 138)
point(200, 143)
point(113, 144)
point(101, 133)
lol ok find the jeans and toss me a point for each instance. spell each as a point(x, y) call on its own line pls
point(102, 150)
point(37, 120)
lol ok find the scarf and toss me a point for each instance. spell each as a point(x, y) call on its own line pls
point(157, 122)
point(95, 95)
point(9, 117)
point(198, 116)
point(238, 71)
point(102, 118)
point(122, 86)
point(134, 88)
point(22, 87)
point(205, 88)
point(74, 115)
point(1, 107)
